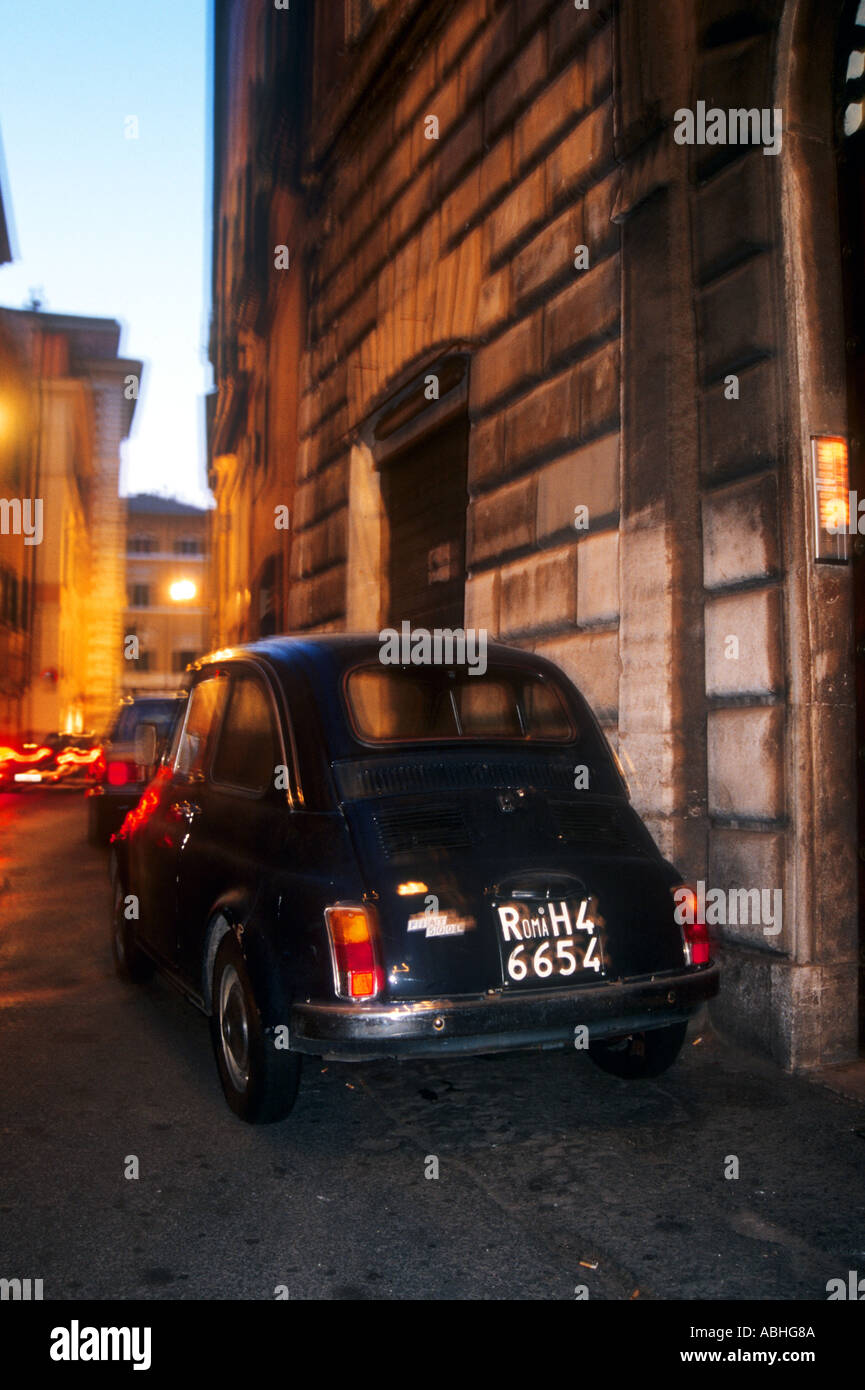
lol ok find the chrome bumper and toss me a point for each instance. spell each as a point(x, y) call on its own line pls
point(500, 1021)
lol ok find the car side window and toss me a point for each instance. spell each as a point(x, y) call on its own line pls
point(176, 733)
point(206, 702)
point(248, 753)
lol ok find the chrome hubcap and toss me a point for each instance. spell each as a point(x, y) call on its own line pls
point(234, 1027)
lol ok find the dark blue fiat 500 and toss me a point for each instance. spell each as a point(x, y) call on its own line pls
point(356, 858)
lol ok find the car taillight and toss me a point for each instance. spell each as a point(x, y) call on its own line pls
point(695, 934)
point(121, 772)
point(356, 968)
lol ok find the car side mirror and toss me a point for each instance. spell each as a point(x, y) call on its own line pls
point(146, 745)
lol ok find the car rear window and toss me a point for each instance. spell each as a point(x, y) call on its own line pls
point(404, 706)
point(162, 713)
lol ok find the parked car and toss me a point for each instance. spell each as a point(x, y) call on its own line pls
point(67, 759)
point(122, 772)
point(349, 860)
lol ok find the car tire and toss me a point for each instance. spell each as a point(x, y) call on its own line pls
point(259, 1080)
point(639, 1055)
point(130, 962)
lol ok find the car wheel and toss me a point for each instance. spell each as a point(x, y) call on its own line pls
point(639, 1054)
point(130, 962)
point(259, 1080)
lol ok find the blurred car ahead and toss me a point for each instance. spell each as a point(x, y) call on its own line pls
point(72, 760)
point(127, 759)
point(342, 859)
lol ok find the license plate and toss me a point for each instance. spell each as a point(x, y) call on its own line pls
point(28, 776)
point(544, 942)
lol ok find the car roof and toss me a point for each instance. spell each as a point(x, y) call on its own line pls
point(320, 660)
point(330, 653)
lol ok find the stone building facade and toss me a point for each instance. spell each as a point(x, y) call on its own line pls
point(559, 373)
point(81, 397)
point(16, 556)
point(258, 317)
point(166, 596)
point(16, 552)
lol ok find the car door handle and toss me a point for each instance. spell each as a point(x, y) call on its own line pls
point(187, 809)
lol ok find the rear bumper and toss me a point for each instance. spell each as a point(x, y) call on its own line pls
point(499, 1022)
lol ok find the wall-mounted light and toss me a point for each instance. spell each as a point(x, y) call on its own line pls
point(830, 470)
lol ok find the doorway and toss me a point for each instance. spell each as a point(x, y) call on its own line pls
point(425, 496)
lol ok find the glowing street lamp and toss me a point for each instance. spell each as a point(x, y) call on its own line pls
point(182, 590)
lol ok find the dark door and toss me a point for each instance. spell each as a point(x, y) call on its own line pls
point(157, 850)
point(851, 204)
point(425, 496)
point(237, 839)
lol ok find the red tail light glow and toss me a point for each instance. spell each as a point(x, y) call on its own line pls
point(121, 772)
point(695, 934)
point(147, 805)
point(356, 968)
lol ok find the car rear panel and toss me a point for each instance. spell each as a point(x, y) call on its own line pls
point(462, 853)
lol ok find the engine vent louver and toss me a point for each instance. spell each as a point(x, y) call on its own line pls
point(441, 827)
point(596, 826)
point(388, 777)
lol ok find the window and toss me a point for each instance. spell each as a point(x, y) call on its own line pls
point(141, 545)
point(139, 595)
point(206, 702)
point(188, 546)
point(162, 713)
point(180, 660)
point(404, 706)
point(248, 753)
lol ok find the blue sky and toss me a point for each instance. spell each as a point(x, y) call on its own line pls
point(111, 226)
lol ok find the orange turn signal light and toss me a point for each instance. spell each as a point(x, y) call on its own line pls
point(348, 925)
